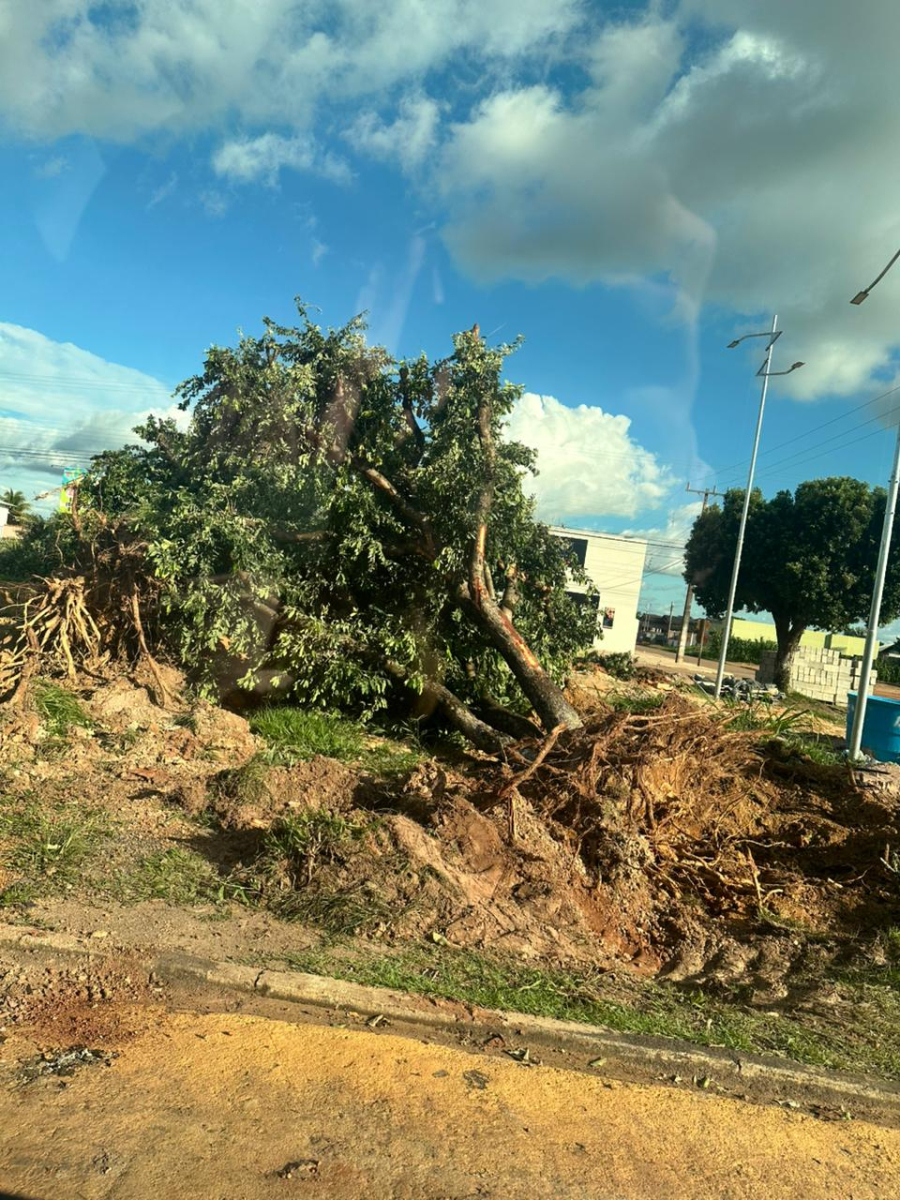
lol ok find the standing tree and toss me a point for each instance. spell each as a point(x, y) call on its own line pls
point(19, 508)
point(335, 524)
point(809, 559)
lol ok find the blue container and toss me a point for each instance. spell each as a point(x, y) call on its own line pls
point(881, 728)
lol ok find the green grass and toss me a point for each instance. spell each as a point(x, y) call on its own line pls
point(635, 1005)
point(48, 847)
point(816, 748)
point(177, 875)
point(59, 710)
point(391, 759)
point(295, 735)
point(245, 784)
point(298, 844)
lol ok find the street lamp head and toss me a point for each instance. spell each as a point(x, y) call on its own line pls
point(731, 345)
point(764, 374)
point(860, 296)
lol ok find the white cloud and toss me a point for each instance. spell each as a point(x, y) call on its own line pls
point(744, 148)
point(319, 250)
point(61, 404)
point(120, 70)
point(664, 554)
point(261, 159)
point(213, 202)
point(588, 463)
point(406, 140)
point(51, 167)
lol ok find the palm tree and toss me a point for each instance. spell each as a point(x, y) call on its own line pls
point(19, 508)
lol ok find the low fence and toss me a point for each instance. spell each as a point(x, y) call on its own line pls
point(818, 673)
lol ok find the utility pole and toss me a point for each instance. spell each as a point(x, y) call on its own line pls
point(688, 600)
point(703, 627)
point(763, 373)
point(854, 750)
point(669, 626)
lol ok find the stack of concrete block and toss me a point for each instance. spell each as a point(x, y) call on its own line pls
point(817, 672)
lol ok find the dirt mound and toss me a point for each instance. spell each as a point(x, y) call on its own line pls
point(644, 836)
point(121, 704)
point(256, 795)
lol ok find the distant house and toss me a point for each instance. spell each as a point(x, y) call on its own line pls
point(8, 531)
point(890, 651)
point(615, 566)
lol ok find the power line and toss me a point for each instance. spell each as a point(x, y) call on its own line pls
point(720, 471)
point(85, 383)
point(802, 455)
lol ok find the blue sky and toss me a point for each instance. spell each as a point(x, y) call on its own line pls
point(627, 186)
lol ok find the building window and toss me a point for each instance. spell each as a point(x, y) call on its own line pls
point(577, 548)
point(609, 616)
point(582, 599)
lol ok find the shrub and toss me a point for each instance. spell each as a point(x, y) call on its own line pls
point(621, 664)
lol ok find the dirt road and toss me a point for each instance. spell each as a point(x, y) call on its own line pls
point(224, 1107)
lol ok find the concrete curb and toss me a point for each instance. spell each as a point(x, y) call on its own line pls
point(624, 1056)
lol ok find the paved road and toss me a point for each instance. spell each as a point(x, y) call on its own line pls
point(227, 1107)
point(652, 656)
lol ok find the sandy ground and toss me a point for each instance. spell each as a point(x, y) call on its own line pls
point(224, 1107)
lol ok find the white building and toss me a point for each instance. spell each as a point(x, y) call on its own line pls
point(615, 565)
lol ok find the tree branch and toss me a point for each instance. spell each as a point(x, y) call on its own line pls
point(510, 592)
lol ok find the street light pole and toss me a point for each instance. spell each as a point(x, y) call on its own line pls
point(862, 694)
point(764, 371)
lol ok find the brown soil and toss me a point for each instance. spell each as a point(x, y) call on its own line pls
point(658, 838)
point(102, 1004)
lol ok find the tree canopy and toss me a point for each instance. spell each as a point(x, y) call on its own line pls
point(333, 524)
point(809, 558)
point(18, 505)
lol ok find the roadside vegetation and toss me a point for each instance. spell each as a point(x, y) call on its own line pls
point(631, 1004)
point(436, 784)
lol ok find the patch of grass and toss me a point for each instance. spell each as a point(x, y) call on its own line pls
point(49, 847)
point(390, 759)
point(758, 716)
point(296, 734)
point(177, 875)
point(18, 895)
point(245, 784)
point(59, 710)
point(299, 843)
point(816, 748)
point(340, 913)
point(635, 1006)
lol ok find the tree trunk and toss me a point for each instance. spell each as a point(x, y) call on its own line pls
point(457, 713)
point(546, 698)
point(463, 719)
point(789, 635)
point(507, 721)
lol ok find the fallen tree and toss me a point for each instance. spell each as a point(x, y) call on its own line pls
point(333, 525)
